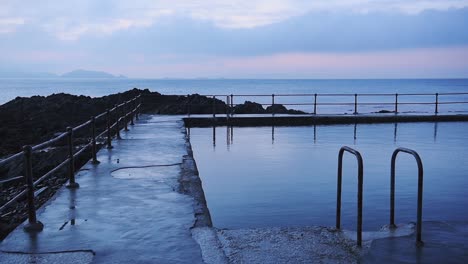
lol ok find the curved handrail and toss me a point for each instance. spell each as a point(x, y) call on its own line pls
point(360, 183)
point(420, 191)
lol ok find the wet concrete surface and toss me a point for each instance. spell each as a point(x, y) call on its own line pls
point(127, 209)
point(281, 245)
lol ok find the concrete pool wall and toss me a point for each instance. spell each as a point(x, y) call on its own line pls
point(306, 120)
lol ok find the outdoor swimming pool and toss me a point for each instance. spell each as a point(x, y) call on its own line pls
point(286, 176)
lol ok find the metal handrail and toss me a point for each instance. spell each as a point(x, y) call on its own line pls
point(33, 223)
point(229, 103)
point(420, 191)
point(10, 158)
point(360, 189)
point(329, 94)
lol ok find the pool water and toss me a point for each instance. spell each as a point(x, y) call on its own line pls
point(286, 176)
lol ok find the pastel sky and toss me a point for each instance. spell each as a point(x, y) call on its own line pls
point(238, 39)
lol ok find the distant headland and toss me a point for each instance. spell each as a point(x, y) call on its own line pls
point(80, 73)
point(89, 74)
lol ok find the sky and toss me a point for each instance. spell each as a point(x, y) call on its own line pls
point(237, 39)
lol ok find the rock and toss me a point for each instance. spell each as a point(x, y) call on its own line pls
point(249, 108)
point(384, 112)
point(281, 109)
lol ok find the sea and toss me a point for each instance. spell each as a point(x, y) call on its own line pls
point(304, 89)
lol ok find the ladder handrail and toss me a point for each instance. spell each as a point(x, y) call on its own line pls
point(360, 189)
point(420, 191)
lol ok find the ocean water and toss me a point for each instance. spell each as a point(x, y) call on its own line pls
point(11, 88)
point(287, 176)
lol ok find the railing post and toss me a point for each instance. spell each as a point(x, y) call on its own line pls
point(117, 122)
point(272, 104)
point(93, 134)
point(437, 103)
point(315, 104)
point(117, 128)
point(125, 119)
point(227, 106)
point(396, 103)
point(33, 225)
point(138, 103)
point(71, 160)
point(355, 104)
point(188, 105)
point(109, 132)
point(419, 241)
point(214, 106)
point(132, 113)
point(360, 190)
point(232, 105)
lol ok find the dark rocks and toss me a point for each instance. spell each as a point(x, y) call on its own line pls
point(249, 108)
point(281, 109)
point(36, 119)
point(384, 112)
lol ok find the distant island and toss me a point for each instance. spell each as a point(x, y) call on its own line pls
point(89, 74)
point(73, 74)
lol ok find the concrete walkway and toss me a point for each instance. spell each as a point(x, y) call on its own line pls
point(127, 209)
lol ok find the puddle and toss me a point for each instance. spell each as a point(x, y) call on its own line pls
point(152, 173)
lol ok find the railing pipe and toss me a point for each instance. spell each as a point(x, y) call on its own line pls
point(93, 140)
point(71, 166)
point(109, 132)
point(419, 241)
point(360, 189)
point(33, 225)
point(437, 103)
point(11, 158)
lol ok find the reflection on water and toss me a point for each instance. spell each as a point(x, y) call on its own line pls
point(230, 133)
point(286, 176)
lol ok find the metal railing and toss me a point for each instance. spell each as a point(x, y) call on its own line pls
point(419, 241)
point(359, 192)
point(314, 101)
point(117, 118)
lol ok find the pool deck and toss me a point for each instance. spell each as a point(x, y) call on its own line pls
point(144, 204)
point(130, 208)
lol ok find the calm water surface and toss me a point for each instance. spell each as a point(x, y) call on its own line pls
point(11, 88)
point(286, 176)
